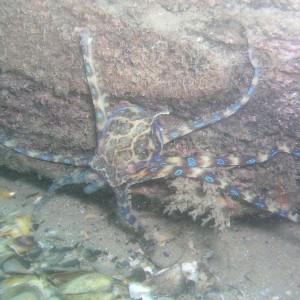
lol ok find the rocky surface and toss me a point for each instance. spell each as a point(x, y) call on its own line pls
point(189, 57)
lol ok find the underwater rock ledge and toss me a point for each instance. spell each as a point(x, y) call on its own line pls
point(194, 66)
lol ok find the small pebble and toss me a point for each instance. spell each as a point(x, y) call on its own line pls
point(138, 275)
point(134, 263)
point(122, 264)
point(209, 254)
point(138, 291)
point(288, 293)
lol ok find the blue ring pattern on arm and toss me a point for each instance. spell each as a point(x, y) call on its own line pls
point(282, 214)
point(235, 107)
point(216, 118)
point(274, 152)
point(297, 153)
point(191, 162)
point(257, 72)
point(99, 115)
point(251, 161)
point(178, 172)
point(198, 124)
point(209, 179)
point(250, 91)
point(88, 69)
point(234, 192)
point(260, 203)
point(174, 134)
point(220, 161)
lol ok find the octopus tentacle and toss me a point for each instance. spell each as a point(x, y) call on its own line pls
point(97, 94)
point(83, 177)
point(80, 161)
point(185, 129)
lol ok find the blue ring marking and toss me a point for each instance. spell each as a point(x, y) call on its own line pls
point(157, 158)
point(99, 115)
point(67, 161)
point(250, 91)
point(124, 211)
point(19, 149)
point(198, 124)
point(251, 161)
point(209, 179)
point(235, 107)
point(220, 161)
point(131, 219)
point(274, 152)
point(216, 118)
point(45, 157)
point(191, 162)
point(297, 153)
point(174, 134)
point(178, 172)
point(257, 72)
point(234, 192)
point(85, 49)
point(260, 203)
point(153, 169)
point(88, 69)
point(282, 214)
point(163, 164)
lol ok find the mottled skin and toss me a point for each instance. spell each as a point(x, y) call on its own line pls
point(130, 150)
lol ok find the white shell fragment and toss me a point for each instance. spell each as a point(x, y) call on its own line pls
point(190, 270)
point(148, 270)
point(138, 291)
point(167, 282)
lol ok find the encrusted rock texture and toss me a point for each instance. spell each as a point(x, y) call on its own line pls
point(186, 56)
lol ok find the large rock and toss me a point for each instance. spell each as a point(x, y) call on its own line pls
point(189, 57)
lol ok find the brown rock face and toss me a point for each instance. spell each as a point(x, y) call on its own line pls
point(187, 57)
